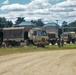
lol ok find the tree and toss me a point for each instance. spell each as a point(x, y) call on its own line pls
point(72, 24)
point(64, 24)
point(9, 23)
point(5, 23)
point(19, 20)
point(38, 22)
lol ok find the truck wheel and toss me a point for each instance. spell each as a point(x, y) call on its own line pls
point(53, 42)
point(73, 41)
point(29, 42)
point(68, 42)
point(42, 45)
point(8, 44)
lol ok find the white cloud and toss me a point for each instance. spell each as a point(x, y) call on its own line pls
point(13, 7)
point(34, 5)
point(42, 9)
point(6, 2)
point(40, 1)
point(71, 0)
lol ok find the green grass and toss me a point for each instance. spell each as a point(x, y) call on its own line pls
point(67, 46)
point(12, 50)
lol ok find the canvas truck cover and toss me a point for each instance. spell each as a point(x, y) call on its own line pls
point(14, 33)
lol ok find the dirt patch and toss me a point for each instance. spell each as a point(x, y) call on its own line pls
point(61, 62)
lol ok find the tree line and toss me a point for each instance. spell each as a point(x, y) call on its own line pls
point(72, 24)
point(5, 23)
point(39, 23)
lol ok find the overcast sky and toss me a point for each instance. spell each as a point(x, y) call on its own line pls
point(47, 10)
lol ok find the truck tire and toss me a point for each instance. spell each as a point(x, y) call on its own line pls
point(68, 42)
point(53, 42)
point(29, 43)
point(73, 41)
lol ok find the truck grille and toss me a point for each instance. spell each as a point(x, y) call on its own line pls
point(43, 39)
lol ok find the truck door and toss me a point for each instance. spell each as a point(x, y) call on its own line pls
point(25, 35)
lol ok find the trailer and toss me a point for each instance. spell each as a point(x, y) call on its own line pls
point(13, 36)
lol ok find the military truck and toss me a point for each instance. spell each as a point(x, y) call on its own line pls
point(68, 37)
point(1, 36)
point(21, 36)
point(52, 37)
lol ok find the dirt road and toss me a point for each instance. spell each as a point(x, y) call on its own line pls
point(39, 63)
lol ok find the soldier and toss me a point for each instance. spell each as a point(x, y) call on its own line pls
point(58, 42)
point(62, 42)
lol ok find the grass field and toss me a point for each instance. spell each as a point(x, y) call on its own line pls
point(12, 50)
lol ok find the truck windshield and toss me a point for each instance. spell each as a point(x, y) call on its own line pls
point(51, 35)
point(65, 35)
point(44, 33)
point(41, 33)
